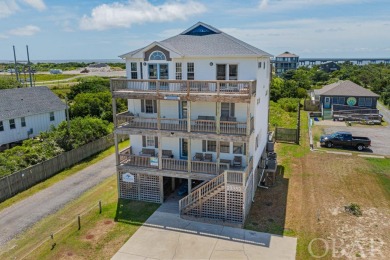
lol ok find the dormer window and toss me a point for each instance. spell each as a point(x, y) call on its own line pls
point(157, 55)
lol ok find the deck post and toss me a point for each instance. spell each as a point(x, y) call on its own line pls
point(189, 156)
point(248, 119)
point(188, 116)
point(158, 114)
point(114, 112)
point(161, 182)
point(189, 185)
point(218, 119)
point(218, 155)
point(159, 152)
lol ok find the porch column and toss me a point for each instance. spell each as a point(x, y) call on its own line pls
point(188, 116)
point(161, 182)
point(159, 151)
point(218, 153)
point(248, 119)
point(218, 119)
point(173, 184)
point(158, 114)
point(189, 185)
point(189, 156)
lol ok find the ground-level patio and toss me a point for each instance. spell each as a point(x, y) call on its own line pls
point(166, 236)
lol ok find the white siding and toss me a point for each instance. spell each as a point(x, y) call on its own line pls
point(38, 123)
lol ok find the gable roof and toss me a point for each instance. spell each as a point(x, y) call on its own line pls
point(287, 54)
point(22, 102)
point(346, 88)
point(203, 40)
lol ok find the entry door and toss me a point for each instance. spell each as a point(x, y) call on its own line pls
point(183, 148)
point(327, 102)
point(158, 71)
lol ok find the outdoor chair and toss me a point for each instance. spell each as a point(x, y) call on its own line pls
point(147, 152)
point(237, 161)
point(198, 157)
point(208, 157)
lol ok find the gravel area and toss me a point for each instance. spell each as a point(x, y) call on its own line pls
point(24, 214)
point(380, 136)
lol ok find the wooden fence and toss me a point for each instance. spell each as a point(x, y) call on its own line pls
point(12, 184)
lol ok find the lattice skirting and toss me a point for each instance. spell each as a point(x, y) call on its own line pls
point(145, 187)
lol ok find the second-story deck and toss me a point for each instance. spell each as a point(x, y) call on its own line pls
point(128, 120)
point(188, 89)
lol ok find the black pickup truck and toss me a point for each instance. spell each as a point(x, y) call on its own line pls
point(345, 139)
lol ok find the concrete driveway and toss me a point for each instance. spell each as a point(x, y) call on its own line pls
point(166, 236)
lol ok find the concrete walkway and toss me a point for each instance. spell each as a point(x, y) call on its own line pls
point(166, 236)
point(23, 214)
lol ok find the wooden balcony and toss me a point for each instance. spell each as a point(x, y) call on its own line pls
point(127, 120)
point(128, 159)
point(191, 89)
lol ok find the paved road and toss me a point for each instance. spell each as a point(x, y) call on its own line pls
point(24, 214)
point(385, 112)
point(166, 236)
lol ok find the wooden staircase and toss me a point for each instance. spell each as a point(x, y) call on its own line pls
point(213, 200)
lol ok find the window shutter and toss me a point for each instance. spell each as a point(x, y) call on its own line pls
point(232, 108)
point(154, 106)
point(203, 145)
point(142, 105)
point(244, 152)
point(143, 141)
point(156, 142)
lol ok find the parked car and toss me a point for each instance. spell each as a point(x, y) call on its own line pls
point(345, 139)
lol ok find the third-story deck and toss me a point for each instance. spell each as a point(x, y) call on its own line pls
point(192, 90)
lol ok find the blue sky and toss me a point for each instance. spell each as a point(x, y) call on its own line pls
point(101, 29)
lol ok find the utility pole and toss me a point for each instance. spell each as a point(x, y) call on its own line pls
point(16, 69)
point(29, 66)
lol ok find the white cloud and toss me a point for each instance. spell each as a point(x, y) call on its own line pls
point(341, 37)
point(28, 30)
point(7, 8)
point(286, 5)
point(37, 4)
point(117, 14)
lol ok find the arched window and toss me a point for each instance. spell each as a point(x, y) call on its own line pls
point(157, 55)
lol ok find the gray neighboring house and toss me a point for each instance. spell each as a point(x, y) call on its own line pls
point(25, 112)
point(345, 95)
point(285, 61)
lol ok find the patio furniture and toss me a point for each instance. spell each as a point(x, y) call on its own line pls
point(167, 154)
point(147, 152)
point(198, 157)
point(225, 161)
point(237, 161)
point(208, 157)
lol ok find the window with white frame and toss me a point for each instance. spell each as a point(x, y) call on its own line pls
point(157, 55)
point(150, 141)
point(23, 122)
point(233, 71)
point(148, 106)
point(133, 70)
point(1, 126)
point(12, 124)
point(224, 147)
point(52, 116)
point(257, 142)
point(178, 71)
point(190, 71)
point(227, 110)
point(239, 148)
point(209, 146)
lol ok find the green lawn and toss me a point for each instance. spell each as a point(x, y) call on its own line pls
point(62, 175)
point(100, 236)
point(381, 168)
point(51, 77)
